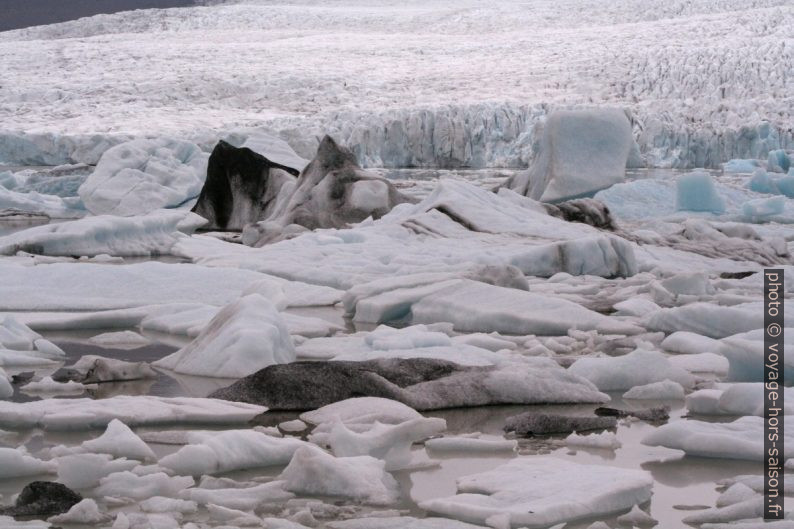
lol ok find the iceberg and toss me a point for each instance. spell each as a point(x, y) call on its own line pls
point(637, 368)
point(242, 338)
point(140, 176)
point(745, 353)
point(696, 192)
point(579, 153)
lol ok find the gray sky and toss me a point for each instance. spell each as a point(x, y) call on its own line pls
point(16, 14)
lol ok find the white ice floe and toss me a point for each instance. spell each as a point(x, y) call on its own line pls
point(474, 444)
point(391, 443)
point(83, 471)
point(740, 439)
point(17, 463)
point(120, 340)
point(243, 498)
point(140, 176)
point(701, 363)
point(708, 319)
point(312, 471)
point(543, 491)
point(665, 389)
point(604, 440)
point(360, 414)
point(151, 234)
point(637, 518)
point(250, 334)
point(119, 441)
point(162, 504)
point(746, 398)
point(78, 414)
point(634, 369)
point(64, 286)
point(579, 152)
point(85, 512)
point(685, 342)
point(128, 485)
point(746, 355)
point(48, 386)
point(21, 346)
point(213, 453)
point(35, 203)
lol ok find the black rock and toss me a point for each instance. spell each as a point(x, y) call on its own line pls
point(311, 385)
point(241, 187)
point(531, 423)
point(657, 414)
point(22, 378)
point(585, 210)
point(43, 499)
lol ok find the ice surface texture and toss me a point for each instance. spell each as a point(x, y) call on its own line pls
point(696, 98)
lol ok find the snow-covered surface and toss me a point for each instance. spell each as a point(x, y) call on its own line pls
point(690, 91)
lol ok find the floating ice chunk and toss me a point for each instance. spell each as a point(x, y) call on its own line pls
point(359, 414)
point(736, 493)
point(232, 517)
point(362, 478)
point(708, 319)
point(35, 203)
point(778, 161)
point(399, 522)
point(762, 208)
point(743, 510)
point(510, 311)
point(292, 426)
point(740, 166)
point(688, 284)
point(634, 369)
point(605, 440)
point(78, 414)
point(86, 512)
point(151, 234)
point(636, 306)
point(740, 439)
point(21, 346)
point(213, 453)
point(243, 498)
point(391, 443)
point(16, 463)
point(543, 491)
point(471, 444)
point(251, 334)
point(746, 398)
point(491, 342)
point(119, 441)
point(165, 505)
point(139, 176)
point(580, 152)
point(83, 471)
point(785, 184)
point(120, 340)
point(666, 389)
point(129, 485)
point(701, 363)
point(685, 342)
point(48, 386)
point(696, 192)
point(637, 518)
point(746, 354)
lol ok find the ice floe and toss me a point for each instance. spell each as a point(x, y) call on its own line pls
point(666, 389)
point(634, 369)
point(251, 334)
point(543, 491)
